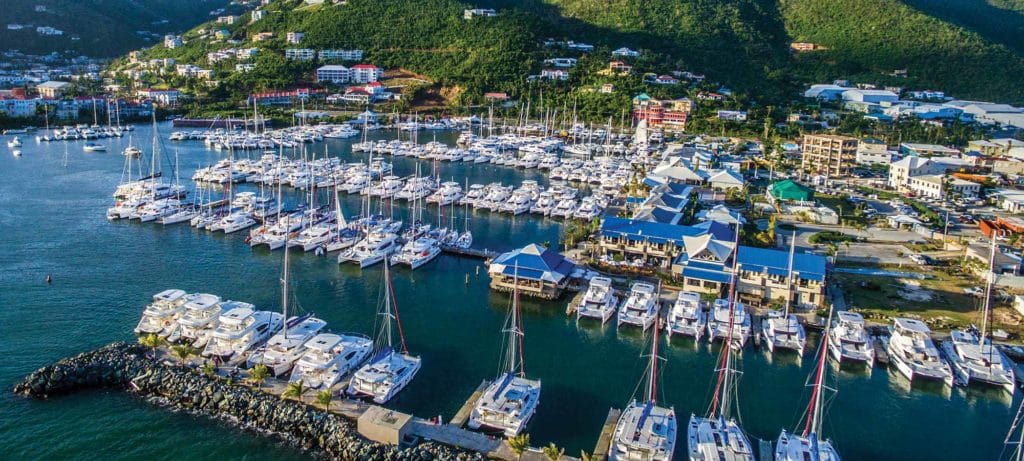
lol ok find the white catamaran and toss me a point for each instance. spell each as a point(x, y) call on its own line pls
point(390, 370)
point(780, 328)
point(809, 446)
point(510, 401)
point(645, 430)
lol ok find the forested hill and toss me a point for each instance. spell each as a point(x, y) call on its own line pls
point(969, 48)
point(98, 28)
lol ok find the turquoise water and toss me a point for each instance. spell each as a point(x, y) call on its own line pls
point(52, 222)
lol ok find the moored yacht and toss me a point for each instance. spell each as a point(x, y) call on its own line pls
point(646, 430)
point(914, 354)
point(161, 316)
point(239, 331)
point(687, 316)
point(329, 357)
point(641, 307)
point(377, 246)
point(284, 348)
point(390, 370)
point(848, 340)
point(780, 328)
point(417, 252)
point(508, 402)
point(599, 301)
point(722, 316)
point(201, 317)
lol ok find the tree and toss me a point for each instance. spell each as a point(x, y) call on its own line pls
point(259, 374)
point(152, 341)
point(519, 444)
point(553, 452)
point(323, 398)
point(183, 351)
point(294, 390)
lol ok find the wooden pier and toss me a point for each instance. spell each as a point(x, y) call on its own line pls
point(462, 417)
point(470, 252)
point(604, 441)
point(574, 304)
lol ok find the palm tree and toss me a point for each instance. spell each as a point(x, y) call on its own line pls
point(294, 390)
point(183, 351)
point(259, 374)
point(209, 369)
point(584, 456)
point(519, 444)
point(323, 398)
point(152, 341)
point(553, 452)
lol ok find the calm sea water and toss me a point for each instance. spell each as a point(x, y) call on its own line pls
point(52, 222)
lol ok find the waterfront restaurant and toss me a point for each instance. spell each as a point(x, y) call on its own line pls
point(538, 272)
point(652, 243)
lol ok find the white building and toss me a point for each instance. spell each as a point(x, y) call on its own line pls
point(870, 96)
point(47, 30)
point(164, 97)
point(872, 151)
point(929, 185)
point(366, 73)
point(333, 74)
point(554, 74)
point(626, 52)
point(560, 62)
point(294, 37)
point(192, 71)
point(343, 55)
point(300, 54)
point(172, 41)
point(900, 172)
point(478, 13)
point(1011, 200)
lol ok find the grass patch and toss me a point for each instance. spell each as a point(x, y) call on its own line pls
point(831, 237)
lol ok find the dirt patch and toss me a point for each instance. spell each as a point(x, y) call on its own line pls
point(912, 291)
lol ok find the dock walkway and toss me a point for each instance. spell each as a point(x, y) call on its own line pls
point(604, 441)
point(462, 416)
point(470, 252)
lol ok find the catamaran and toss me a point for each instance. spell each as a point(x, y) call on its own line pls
point(973, 358)
point(417, 252)
point(641, 307)
point(599, 301)
point(848, 340)
point(377, 246)
point(284, 348)
point(240, 330)
point(201, 317)
point(645, 430)
point(389, 371)
point(687, 316)
point(780, 328)
point(809, 446)
point(912, 351)
point(329, 357)
point(717, 436)
point(161, 316)
point(508, 403)
point(729, 316)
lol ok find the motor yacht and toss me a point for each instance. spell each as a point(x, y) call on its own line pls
point(284, 348)
point(599, 301)
point(687, 316)
point(848, 340)
point(240, 330)
point(201, 317)
point(329, 357)
point(161, 316)
point(914, 354)
point(641, 307)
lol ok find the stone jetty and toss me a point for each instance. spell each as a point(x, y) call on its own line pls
point(125, 366)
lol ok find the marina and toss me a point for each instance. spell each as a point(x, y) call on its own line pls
point(98, 297)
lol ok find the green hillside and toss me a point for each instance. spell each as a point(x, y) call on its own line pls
point(98, 28)
point(742, 44)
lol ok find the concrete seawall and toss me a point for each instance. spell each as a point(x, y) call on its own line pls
point(125, 366)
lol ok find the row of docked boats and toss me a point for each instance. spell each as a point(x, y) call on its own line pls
point(297, 348)
point(558, 201)
point(239, 140)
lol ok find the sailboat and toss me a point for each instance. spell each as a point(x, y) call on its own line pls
point(808, 446)
point(389, 371)
point(781, 329)
point(972, 356)
point(509, 402)
point(284, 349)
point(718, 436)
point(645, 430)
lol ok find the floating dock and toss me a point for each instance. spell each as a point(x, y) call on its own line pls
point(604, 441)
point(470, 252)
point(462, 417)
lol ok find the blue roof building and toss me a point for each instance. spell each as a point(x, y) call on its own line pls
point(654, 243)
point(536, 270)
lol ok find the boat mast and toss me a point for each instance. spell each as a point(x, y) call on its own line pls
point(720, 402)
point(284, 289)
point(515, 334)
point(789, 279)
point(813, 425)
point(652, 380)
point(989, 278)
